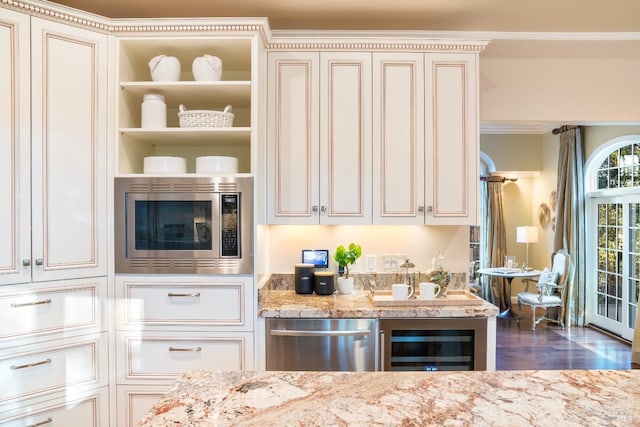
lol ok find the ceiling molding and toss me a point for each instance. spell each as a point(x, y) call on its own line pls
point(538, 128)
point(460, 35)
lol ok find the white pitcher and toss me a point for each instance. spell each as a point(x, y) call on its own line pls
point(164, 68)
point(207, 68)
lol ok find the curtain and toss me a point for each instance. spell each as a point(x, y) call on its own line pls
point(570, 211)
point(495, 238)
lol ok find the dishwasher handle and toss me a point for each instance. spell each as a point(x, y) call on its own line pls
point(320, 333)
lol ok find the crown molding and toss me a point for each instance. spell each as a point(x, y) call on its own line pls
point(132, 26)
point(537, 128)
point(374, 40)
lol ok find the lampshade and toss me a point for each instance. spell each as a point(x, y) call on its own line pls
point(526, 234)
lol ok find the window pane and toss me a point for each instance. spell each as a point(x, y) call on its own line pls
point(602, 307)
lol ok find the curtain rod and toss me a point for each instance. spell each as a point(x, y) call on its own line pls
point(495, 178)
point(563, 128)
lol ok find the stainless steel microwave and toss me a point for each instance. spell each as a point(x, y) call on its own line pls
point(183, 225)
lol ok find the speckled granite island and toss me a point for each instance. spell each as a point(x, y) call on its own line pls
point(482, 398)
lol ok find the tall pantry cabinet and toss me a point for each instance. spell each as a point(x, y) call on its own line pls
point(53, 219)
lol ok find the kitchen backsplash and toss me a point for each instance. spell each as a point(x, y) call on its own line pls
point(366, 281)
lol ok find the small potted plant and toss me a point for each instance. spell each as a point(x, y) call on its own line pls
point(346, 258)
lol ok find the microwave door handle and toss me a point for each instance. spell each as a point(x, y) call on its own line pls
point(314, 333)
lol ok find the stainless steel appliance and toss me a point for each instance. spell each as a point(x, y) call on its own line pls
point(184, 225)
point(447, 344)
point(322, 344)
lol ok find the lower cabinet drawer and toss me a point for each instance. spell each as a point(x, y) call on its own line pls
point(217, 304)
point(71, 364)
point(135, 401)
point(71, 306)
point(157, 356)
point(85, 409)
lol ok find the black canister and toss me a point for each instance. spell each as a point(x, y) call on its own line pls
point(324, 282)
point(304, 278)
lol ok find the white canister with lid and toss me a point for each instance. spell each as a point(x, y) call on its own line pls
point(154, 111)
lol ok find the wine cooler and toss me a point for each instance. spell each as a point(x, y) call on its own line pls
point(449, 344)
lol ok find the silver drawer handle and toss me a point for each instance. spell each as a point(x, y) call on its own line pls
point(25, 304)
point(185, 349)
point(41, 423)
point(193, 295)
point(303, 333)
point(30, 365)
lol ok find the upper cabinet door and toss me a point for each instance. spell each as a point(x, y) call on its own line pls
point(345, 138)
point(293, 138)
point(398, 138)
point(15, 143)
point(69, 151)
point(452, 137)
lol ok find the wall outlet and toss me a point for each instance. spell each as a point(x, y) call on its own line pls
point(371, 263)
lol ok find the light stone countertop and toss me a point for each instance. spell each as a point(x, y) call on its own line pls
point(480, 398)
point(288, 304)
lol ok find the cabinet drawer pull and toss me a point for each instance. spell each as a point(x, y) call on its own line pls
point(30, 365)
point(41, 423)
point(39, 261)
point(25, 304)
point(185, 349)
point(192, 295)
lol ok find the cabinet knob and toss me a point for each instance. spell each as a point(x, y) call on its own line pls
point(314, 208)
point(26, 262)
point(421, 209)
point(39, 261)
point(324, 208)
point(429, 209)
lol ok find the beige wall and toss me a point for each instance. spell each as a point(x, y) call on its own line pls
point(595, 136)
point(419, 243)
point(567, 81)
point(537, 156)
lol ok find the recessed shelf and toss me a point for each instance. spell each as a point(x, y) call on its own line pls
point(195, 94)
point(190, 136)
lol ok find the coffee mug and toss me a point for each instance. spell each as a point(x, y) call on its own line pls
point(402, 291)
point(429, 290)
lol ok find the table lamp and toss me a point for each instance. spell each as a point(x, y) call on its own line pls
point(527, 234)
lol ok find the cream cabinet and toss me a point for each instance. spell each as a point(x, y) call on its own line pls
point(399, 171)
point(53, 191)
point(52, 368)
point(319, 138)
point(235, 89)
point(382, 137)
point(53, 221)
point(87, 409)
point(452, 135)
point(65, 308)
point(426, 139)
point(170, 324)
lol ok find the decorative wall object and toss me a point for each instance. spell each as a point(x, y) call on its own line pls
point(544, 215)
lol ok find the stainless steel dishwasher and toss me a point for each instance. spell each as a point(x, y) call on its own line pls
point(322, 344)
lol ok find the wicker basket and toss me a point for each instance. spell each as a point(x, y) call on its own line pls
point(205, 118)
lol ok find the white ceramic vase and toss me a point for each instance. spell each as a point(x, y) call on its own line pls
point(164, 68)
point(345, 286)
point(207, 68)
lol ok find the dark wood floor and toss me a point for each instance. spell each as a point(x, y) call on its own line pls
point(550, 347)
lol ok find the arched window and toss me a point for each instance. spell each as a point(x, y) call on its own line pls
point(612, 184)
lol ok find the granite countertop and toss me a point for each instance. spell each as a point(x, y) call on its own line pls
point(506, 398)
point(288, 304)
point(277, 298)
